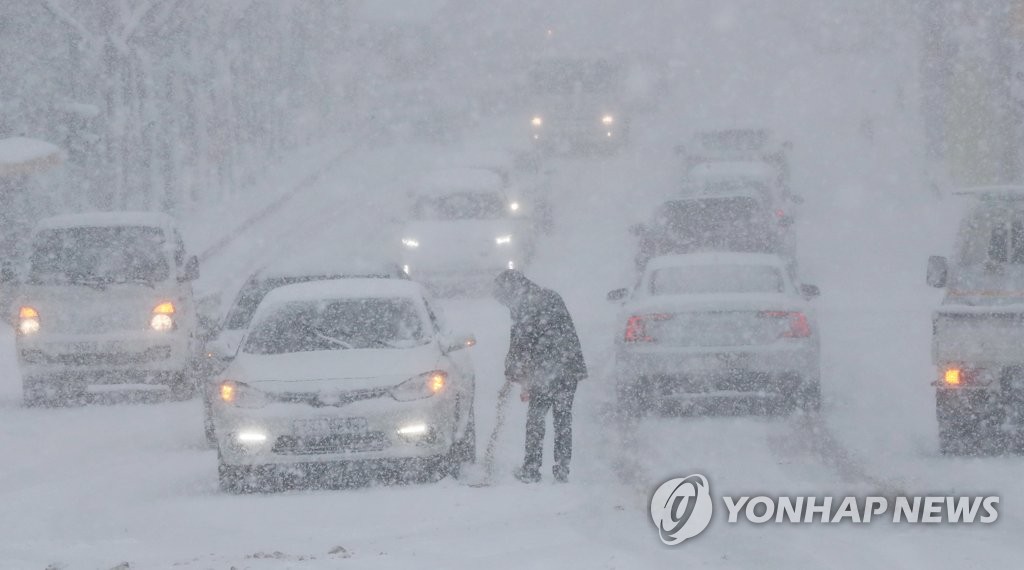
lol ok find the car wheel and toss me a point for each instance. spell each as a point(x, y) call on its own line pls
point(464, 451)
point(208, 429)
point(239, 479)
point(633, 398)
point(182, 387)
point(808, 398)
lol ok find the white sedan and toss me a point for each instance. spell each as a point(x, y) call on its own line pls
point(705, 331)
point(342, 373)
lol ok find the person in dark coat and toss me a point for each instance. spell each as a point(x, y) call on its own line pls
point(545, 358)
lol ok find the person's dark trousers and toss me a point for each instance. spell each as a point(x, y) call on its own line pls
point(559, 401)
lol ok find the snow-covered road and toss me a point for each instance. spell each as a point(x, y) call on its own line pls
point(97, 486)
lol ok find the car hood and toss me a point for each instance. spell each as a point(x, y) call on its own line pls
point(333, 370)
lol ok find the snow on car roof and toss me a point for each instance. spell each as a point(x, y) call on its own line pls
point(104, 219)
point(21, 155)
point(718, 258)
point(461, 180)
point(344, 289)
point(730, 170)
point(333, 265)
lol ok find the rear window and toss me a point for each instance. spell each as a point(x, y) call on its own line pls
point(99, 255)
point(706, 279)
point(461, 206)
point(338, 325)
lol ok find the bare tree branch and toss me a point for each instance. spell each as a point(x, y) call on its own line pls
point(67, 19)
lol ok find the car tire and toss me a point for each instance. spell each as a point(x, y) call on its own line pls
point(239, 479)
point(464, 451)
point(808, 399)
point(633, 399)
point(33, 394)
point(209, 432)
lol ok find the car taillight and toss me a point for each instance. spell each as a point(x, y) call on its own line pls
point(799, 326)
point(636, 327)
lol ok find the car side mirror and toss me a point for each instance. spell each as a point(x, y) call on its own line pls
point(810, 291)
point(938, 271)
point(458, 342)
point(191, 272)
point(617, 295)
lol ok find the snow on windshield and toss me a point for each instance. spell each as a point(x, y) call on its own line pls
point(337, 325)
point(101, 254)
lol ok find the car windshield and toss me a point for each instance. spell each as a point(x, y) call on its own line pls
point(706, 279)
point(568, 77)
point(338, 325)
point(461, 206)
point(99, 255)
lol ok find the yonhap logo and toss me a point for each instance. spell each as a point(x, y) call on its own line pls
point(681, 508)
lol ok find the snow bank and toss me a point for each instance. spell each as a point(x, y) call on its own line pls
point(20, 155)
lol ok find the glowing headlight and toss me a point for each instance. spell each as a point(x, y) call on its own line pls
point(28, 321)
point(607, 119)
point(162, 319)
point(503, 240)
point(413, 429)
point(514, 206)
point(422, 386)
point(537, 121)
point(410, 243)
point(251, 437)
point(240, 395)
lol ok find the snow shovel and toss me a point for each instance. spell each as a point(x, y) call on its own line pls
point(492, 443)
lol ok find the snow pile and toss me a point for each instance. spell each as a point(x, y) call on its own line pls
point(21, 155)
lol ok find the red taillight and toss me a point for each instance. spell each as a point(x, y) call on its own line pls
point(799, 326)
point(636, 327)
point(780, 213)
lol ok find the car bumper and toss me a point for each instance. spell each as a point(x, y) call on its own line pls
point(576, 137)
point(697, 374)
point(144, 357)
point(295, 434)
point(476, 274)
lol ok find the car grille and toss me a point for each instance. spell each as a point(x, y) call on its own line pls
point(324, 444)
point(321, 400)
point(157, 353)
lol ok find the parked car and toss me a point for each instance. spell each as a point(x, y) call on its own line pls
point(702, 331)
point(353, 370)
point(105, 302)
point(978, 331)
point(220, 350)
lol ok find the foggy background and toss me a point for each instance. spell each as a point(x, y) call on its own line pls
point(269, 127)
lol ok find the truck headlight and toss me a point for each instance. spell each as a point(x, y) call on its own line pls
point(422, 386)
point(514, 206)
point(410, 243)
point(163, 317)
point(537, 121)
point(607, 120)
point(28, 321)
point(503, 240)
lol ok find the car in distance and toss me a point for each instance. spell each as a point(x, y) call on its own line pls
point(706, 331)
point(354, 370)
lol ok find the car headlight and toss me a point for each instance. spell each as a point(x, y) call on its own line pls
point(410, 243)
point(514, 206)
point(163, 317)
point(422, 386)
point(503, 240)
point(537, 121)
point(241, 395)
point(607, 120)
point(28, 321)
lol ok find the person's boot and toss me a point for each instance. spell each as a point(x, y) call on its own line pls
point(561, 473)
point(527, 475)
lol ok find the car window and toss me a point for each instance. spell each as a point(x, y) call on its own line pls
point(461, 206)
point(707, 279)
point(100, 255)
point(338, 325)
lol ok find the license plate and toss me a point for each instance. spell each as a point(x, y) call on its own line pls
point(330, 426)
